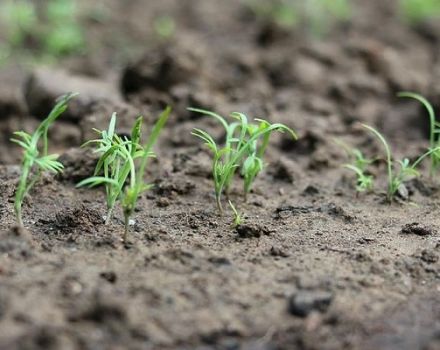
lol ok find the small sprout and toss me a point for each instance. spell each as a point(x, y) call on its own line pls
point(113, 164)
point(117, 164)
point(434, 131)
point(36, 158)
point(359, 165)
point(406, 170)
point(137, 185)
point(238, 218)
point(365, 182)
point(244, 147)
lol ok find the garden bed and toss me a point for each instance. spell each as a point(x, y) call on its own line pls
point(316, 266)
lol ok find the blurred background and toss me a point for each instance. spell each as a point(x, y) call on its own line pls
point(114, 31)
point(313, 63)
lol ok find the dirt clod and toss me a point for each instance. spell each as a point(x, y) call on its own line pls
point(303, 302)
point(417, 229)
point(252, 230)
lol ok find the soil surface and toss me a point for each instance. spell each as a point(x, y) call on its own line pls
point(314, 266)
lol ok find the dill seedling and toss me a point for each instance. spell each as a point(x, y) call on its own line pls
point(359, 165)
point(364, 182)
point(244, 148)
point(112, 163)
point(117, 164)
point(406, 170)
point(137, 184)
point(434, 130)
point(36, 159)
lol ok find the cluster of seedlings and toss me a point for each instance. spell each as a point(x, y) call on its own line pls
point(398, 171)
point(123, 160)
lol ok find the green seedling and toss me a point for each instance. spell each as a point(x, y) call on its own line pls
point(113, 164)
point(434, 134)
point(238, 218)
point(137, 184)
point(406, 169)
point(359, 165)
point(364, 181)
point(36, 159)
point(244, 147)
point(117, 163)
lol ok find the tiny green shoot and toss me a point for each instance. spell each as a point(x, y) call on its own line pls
point(36, 158)
point(365, 182)
point(434, 131)
point(406, 170)
point(137, 185)
point(359, 165)
point(244, 146)
point(112, 164)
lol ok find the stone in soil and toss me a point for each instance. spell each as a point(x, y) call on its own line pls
point(304, 302)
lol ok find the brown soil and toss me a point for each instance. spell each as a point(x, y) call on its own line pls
point(313, 267)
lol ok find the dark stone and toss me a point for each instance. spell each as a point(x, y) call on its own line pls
point(288, 210)
point(109, 276)
point(305, 301)
point(279, 252)
point(310, 190)
point(219, 260)
point(417, 229)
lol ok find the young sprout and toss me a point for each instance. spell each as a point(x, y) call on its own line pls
point(434, 133)
point(137, 185)
point(113, 162)
point(36, 159)
point(118, 164)
point(406, 170)
point(238, 218)
point(244, 147)
point(359, 164)
point(364, 181)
